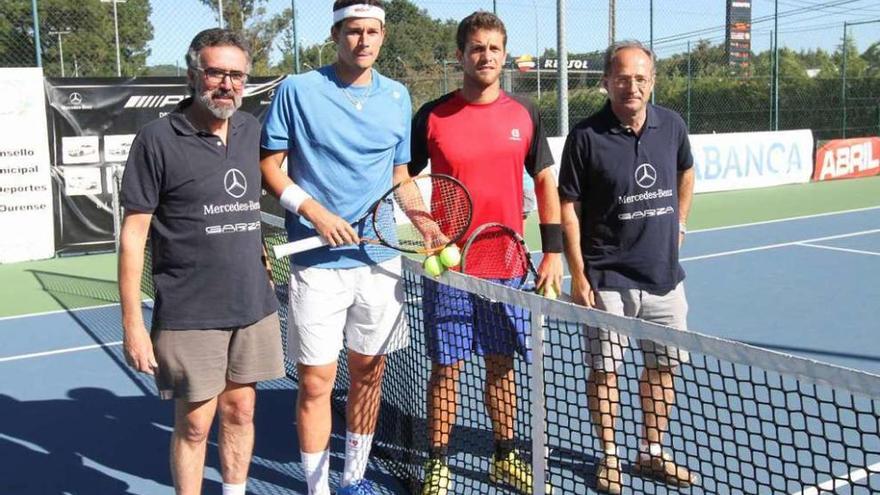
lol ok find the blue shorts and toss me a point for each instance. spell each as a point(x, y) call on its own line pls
point(458, 324)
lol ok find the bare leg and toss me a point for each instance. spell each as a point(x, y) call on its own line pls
point(192, 423)
point(500, 395)
point(236, 442)
point(442, 402)
point(313, 416)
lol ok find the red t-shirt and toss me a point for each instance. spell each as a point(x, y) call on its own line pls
point(486, 147)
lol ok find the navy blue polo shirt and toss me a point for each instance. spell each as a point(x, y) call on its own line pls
point(627, 186)
point(205, 233)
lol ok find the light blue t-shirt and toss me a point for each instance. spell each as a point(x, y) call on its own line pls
point(343, 157)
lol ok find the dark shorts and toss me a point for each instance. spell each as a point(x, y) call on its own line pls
point(194, 365)
point(458, 324)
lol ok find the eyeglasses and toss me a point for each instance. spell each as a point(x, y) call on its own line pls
point(216, 76)
point(626, 82)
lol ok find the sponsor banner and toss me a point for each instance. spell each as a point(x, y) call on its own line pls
point(747, 160)
point(848, 158)
point(26, 214)
point(94, 122)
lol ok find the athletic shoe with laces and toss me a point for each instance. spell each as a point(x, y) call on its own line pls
point(663, 468)
point(608, 477)
point(514, 472)
point(360, 487)
point(438, 479)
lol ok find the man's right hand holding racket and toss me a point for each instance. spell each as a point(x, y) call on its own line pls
point(333, 228)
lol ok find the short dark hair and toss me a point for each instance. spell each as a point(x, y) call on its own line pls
point(476, 21)
point(612, 50)
point(216, 37)
point(341, 4)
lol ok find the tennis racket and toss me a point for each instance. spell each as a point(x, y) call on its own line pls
point(420, 215)
point(496, 251)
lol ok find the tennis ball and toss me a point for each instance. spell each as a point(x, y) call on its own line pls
point(549, 292)
point(433, 266)
point(450, 256)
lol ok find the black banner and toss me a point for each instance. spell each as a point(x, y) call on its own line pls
point(91, 125)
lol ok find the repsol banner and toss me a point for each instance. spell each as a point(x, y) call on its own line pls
point(747, 160)
point(848, 158)
point(25, 184)
point(93, 122)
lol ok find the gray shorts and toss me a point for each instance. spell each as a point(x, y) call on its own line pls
point(194, 365)
point(604, 349)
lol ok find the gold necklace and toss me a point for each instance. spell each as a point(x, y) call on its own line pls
point(358, 102)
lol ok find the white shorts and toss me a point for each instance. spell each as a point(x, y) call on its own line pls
point(604, 349)
point(361, 307)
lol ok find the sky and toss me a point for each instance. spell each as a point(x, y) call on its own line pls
point(803, 24)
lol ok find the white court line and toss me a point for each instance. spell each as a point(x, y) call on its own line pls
point(59, 351)
point(56, 311)
point(788, 219)
point(835, 248)
point(835, 483)
point(775, 246)
point(778, 220)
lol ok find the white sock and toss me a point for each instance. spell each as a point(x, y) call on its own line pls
point(653, 449)
point(317, 470)
point(357, 452)
point(231, 489)
point(610, 449)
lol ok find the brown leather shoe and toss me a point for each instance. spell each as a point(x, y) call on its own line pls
point(608, 477)
point(663, 468)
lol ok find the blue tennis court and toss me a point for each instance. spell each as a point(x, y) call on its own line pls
point(76, 420)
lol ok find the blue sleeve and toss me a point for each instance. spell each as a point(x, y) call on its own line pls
point(402, 152)
point(278, 127)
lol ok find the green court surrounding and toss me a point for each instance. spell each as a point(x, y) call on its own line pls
point(90, 280)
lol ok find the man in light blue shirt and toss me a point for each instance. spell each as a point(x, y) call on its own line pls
point(345, 131)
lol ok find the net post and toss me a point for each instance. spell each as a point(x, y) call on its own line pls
point(536, 380)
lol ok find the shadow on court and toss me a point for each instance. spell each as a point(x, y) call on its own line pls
point(95, 442)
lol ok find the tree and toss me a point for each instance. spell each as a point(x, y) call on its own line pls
point(872, 57)
point(262, 30)
point(89, 44)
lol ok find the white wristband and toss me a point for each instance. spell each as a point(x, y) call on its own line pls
point(682, 227)
point(293, 197)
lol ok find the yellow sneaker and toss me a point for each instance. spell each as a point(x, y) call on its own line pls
point(515, 472)
point(438, 479)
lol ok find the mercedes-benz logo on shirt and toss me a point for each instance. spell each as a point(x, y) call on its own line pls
point(75, 98)
point(646, 175)
point(235, 183)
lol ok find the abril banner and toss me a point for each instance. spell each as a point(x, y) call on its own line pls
point(848, 158)
point(25, 184)
point(747, 160)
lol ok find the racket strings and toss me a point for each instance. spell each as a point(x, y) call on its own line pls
point(424, 214)
point(495, 253)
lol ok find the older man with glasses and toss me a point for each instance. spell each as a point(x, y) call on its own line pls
point(626, 184)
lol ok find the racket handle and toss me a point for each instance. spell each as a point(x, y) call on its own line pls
point(309, 243)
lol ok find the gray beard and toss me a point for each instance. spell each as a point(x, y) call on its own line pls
point(221, 113)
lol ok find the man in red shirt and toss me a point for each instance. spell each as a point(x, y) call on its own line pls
point(485, 138)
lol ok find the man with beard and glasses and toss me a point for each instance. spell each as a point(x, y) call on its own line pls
point(487, 139)
point(192, 182)
point(344, 130)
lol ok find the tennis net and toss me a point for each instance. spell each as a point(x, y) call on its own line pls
point(745, 421)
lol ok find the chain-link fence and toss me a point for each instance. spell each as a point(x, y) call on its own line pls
point(698, 73)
